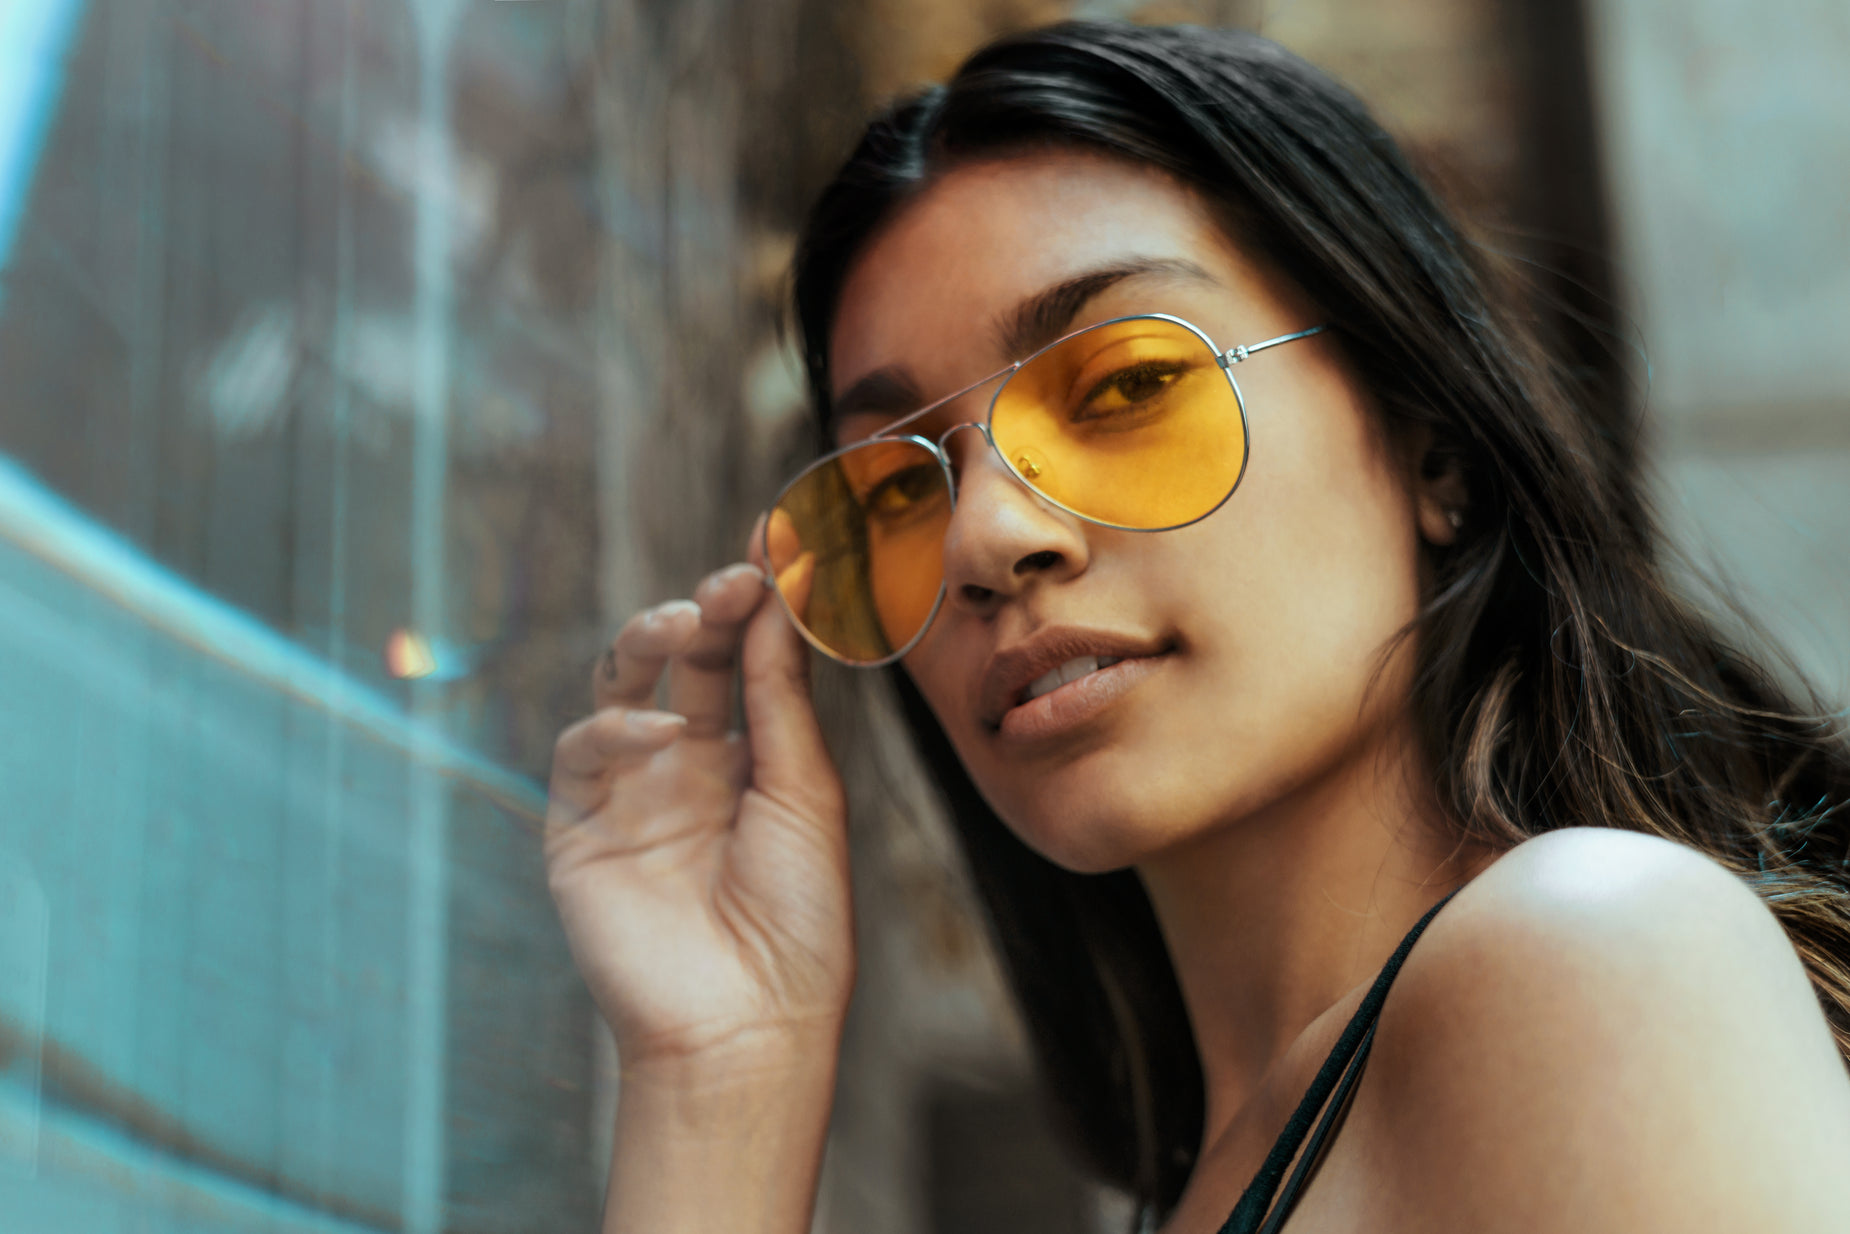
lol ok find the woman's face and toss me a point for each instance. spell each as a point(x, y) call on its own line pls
point(1249, 642)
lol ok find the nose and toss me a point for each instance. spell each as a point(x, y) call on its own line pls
point(1003, 537)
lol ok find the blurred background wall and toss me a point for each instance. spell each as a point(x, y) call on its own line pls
point(363, 363)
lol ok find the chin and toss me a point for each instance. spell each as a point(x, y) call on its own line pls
point(1081, 850)
point(1122, 805)
point(1086, 832)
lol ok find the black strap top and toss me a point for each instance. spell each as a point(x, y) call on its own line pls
point(1329, 1092)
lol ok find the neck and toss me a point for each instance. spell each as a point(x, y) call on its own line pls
point(1274, 918)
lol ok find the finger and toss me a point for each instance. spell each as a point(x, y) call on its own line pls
point(778, 542)
point(631, 666)
point(789, 759)
point(793, 583)
point(776, 550)
point(701, 675)
point(591, 752)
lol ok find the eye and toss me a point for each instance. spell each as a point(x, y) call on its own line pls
point(1129, 389)
point(903, 491)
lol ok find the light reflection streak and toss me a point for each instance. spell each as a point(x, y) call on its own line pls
point(427, 1028)
point(40, 523)
point(35, 37)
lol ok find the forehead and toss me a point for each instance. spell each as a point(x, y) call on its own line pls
point(930, 292)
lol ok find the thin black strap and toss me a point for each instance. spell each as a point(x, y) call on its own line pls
point(1351, 1048)
point(1313, 1147)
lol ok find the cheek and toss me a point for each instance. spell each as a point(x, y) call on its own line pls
point(931, 666)
point(1320, 561)
point(1329, 523)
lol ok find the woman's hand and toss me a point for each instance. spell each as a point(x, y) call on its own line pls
point(701, 873)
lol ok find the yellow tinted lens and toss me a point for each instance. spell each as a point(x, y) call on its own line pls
point(1132, 423)
point(856, 544)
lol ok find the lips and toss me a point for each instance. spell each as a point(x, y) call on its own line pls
point(1054, 657)
point(1071, 671)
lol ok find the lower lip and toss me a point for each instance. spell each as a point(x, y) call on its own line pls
point(1075, 703)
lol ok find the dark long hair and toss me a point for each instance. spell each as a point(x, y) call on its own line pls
point(1560, 681)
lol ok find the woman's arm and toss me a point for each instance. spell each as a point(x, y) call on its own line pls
point(702, 878)
point(731, 1144)
point(1607, 1032)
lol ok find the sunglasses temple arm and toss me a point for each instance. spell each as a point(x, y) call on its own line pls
point(1234, 355)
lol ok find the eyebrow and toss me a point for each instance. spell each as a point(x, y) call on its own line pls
point(1029, 326)
point(1046, 315)
point(888, 391)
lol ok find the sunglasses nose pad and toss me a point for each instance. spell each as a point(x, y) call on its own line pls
point(1030, 462)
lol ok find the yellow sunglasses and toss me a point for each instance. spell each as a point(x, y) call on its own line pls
point(1134, 423)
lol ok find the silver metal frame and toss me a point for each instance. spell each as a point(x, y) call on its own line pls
point(1225, 359)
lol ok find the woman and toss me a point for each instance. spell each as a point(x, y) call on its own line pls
point(1217, 756)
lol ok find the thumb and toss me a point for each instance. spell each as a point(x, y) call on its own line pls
point(790, 762)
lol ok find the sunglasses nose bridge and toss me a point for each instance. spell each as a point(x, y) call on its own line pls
point(948, 433)
point(956, 464)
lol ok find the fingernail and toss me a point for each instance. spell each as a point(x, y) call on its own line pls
point(654, 723)
point(724, 578)
point(663, 613)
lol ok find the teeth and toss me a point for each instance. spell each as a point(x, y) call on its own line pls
point(1072, 670)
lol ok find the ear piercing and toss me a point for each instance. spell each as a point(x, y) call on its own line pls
point(1455, 518)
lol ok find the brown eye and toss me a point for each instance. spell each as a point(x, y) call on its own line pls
point(903, 492)
point(1129, 390)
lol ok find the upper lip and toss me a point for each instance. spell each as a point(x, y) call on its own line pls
point(1012, 669)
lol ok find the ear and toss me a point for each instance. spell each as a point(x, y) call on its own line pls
point(1442, 499)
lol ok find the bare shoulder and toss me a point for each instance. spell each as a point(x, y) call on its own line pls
point(1607, 1031)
